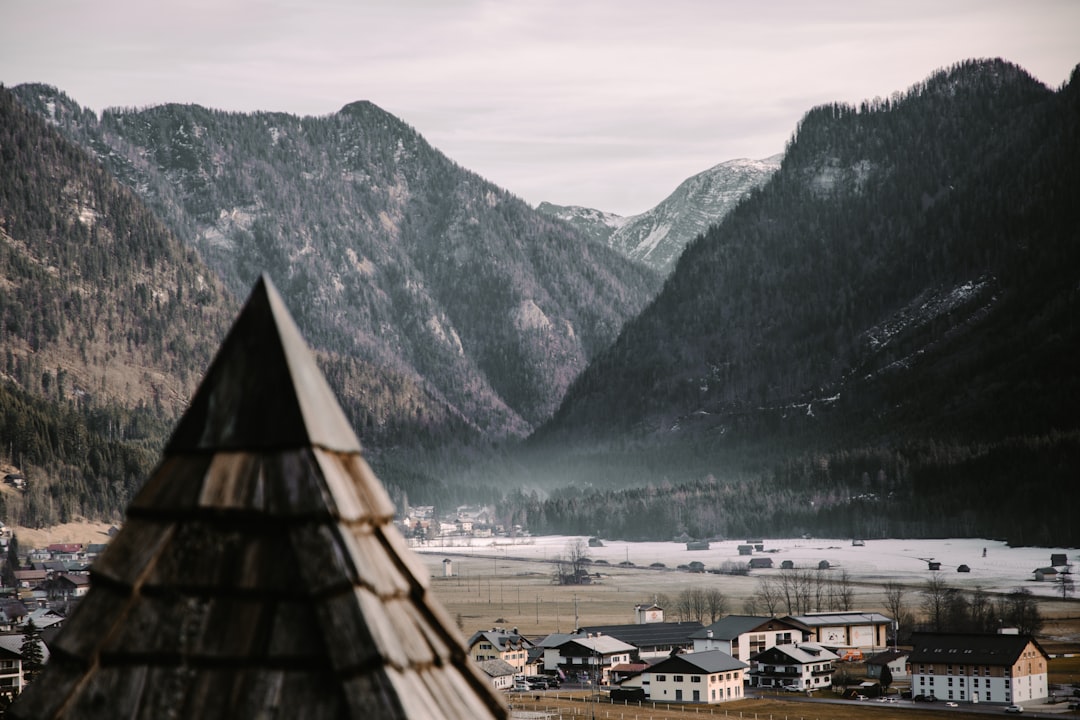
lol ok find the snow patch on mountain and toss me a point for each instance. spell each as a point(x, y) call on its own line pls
point(657, 237)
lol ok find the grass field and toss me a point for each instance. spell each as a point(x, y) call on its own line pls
point(549, 707)
point(486, 592)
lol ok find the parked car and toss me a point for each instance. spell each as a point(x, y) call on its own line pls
point(860, 697)
point(951, 704)
point(520, 687)
point(925, 698)
point(1015, 709)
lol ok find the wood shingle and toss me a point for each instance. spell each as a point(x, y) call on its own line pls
point(258, 573)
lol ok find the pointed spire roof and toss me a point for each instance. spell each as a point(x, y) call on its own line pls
point(259, 573)
point(264, 390)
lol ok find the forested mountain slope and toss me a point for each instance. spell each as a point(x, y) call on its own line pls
point(452, 309)
point(892, 317)
point(106, 319)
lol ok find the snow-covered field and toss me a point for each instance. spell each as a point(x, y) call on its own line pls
point(1000, 569)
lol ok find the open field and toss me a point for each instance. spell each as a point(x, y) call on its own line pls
point(548, 707)
point(511, 585)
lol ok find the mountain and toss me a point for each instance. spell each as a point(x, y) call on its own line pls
point(446, 309)
point(106, 318)
point(882, 336)
point(657, 237)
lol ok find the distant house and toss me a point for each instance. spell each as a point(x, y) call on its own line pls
point(742, 636)
point(593, 657)
point(787, 565)
point(29, 578)
point(500, 644)
point(978, 667)
point(697, 545)
point(69, 587)
point(746, 549)
point(1059, 559)
point(500, 672)
point(702, 677)
point(845, 629)
point(11, 670)
point(803, 666)
point(760, 563)
point(896, 660)
point(652, 613)
point(650, 640)
point(1046, 573)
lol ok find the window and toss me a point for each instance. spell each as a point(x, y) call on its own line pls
point(677, 678)
point(697, 696)
point(695, 678)
point(714, 694)
point(661, 678)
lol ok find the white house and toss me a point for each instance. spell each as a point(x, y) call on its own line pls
point(593, 655)
point(501, 644)
point(500, 672)
point(702, 677)
point(978, 667)
point(802, 666)
point(742, 636)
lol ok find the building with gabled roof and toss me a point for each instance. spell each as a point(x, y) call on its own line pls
point(652, 640)
point(742, 636)
point(500, 644)
point(802, 666)
point(1000, 668)
point(500, 672)
point(702, 677)
point(590, 655)
point(258, 572)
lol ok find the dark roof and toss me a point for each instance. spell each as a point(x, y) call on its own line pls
point(710, 661)
point(969, 648)
point(496, 667)
point(502, 640)
point(884, 658)
point(258, 572)
point(649, 635)
point(733, 626)
point(801, 653)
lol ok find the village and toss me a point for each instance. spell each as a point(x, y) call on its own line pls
point(658, 655)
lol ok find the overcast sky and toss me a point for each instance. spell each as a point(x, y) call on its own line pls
point(608, 104)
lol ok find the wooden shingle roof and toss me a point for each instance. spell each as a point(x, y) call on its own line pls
point(258, 573)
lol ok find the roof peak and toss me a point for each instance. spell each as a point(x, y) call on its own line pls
point(264, 390)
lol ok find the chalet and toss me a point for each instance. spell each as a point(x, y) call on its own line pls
point(999, 668)
point(845, 629)
point(802, 666)
point(746, 549)
point(895, 660)
point(29, 578)
point(760, 563)
point(1059, 559)
point(500, 672)
point(787, 565)
point(258, 572)
point(702, 677)
point(697, 545)
point(500, 644)
point(650, 640)
point(591, 656)
point(742, 636)
point(69, 587)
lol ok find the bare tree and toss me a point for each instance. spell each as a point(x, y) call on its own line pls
point(935, 602)
point(715, 603)
point(768, 596)
point(570, 568)
point(843, 592)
